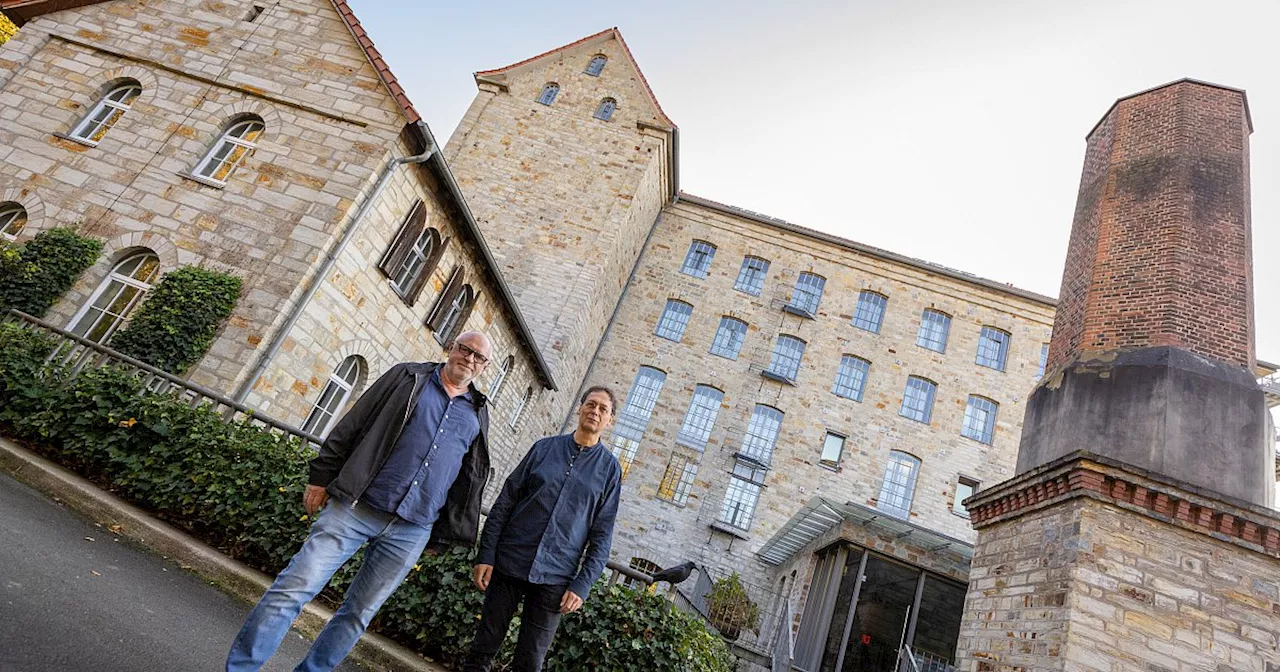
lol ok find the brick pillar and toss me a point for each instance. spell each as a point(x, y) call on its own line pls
point(1153, 349)
point(1136, 534)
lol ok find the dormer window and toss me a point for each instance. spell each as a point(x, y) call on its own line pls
point(596, 65)
point(549, 93)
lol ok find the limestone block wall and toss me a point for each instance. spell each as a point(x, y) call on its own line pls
point(665, 532)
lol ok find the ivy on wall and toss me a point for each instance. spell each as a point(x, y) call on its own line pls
point(177, 322)
point(35, 274)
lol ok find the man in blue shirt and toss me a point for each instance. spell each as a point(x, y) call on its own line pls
point(406, 466)
point(547, 537)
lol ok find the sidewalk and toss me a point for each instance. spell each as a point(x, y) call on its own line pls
point(134, 525)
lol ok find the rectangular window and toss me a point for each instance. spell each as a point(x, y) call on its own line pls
point(741, 497)
point(869, 314)
point(751, 275)
point(1044, 359)
point(965, 487)
point(993, 348)
point(852, 377)
point(729, 338)
point(807, 294)
point(899, 485)
point(935, 327)
point(675, 317)
point(625, 450)
point(762, 434)
point(700, 418)
point(832, 450)
point(786, 358)
point(678, 479)
point(980, 419)
point(917, 400)
point(698, 261)
point(635, 413)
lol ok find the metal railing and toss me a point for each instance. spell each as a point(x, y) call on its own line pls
point(72, 355)
point(1271, 388)
point(749, 620)
point(922, 661)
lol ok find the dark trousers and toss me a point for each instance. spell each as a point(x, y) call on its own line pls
point(538, 623)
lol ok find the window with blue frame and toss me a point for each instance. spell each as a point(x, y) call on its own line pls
point(751, 276)
point(993, 348)
point(787, 353)
point(596, 65)
point(605, 111)
point(917, 400)
point(675, 317)
point(698, 261)
point(729, 337)
point(935, 327)
point(700, 418)
point(634, 415)
point(980, 419)
point(807, 294)
point(762, 434)
point(851, 378)
point(869, 314)
point(742, 495)
point(549, 93)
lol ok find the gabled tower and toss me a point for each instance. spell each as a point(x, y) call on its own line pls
point(566, 162)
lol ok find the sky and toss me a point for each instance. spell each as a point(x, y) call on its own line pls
point(948, 131)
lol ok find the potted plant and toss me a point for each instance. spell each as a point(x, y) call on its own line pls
point(729, 608)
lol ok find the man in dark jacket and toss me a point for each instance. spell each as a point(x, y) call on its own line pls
point(406, 466)
point(547, 537)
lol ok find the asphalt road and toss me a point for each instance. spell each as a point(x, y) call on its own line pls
point(75, 597)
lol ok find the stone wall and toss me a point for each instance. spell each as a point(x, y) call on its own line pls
point(665, 532)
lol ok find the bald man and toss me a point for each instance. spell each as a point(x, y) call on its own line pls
point(404, 468)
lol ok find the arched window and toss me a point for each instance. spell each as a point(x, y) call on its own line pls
point(605, 111)
point(503, 371)
point(596, 66)
point(94, 126)
point(337, 392)
point(413, 255)
point(519, 410)
point(12, 218)
point(459, 308)
point(230, 150)
point(549, 93)
point(899, 486)
point(120, 292)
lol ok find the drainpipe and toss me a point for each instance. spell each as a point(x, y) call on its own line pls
point(265, 360)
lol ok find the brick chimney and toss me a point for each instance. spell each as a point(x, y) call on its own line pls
point(1153, 349)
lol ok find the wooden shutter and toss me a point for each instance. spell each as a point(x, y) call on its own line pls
point(413, 225)
point(437, 250)
point(461, 324)
point(446, 297)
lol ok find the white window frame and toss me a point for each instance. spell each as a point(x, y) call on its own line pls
point(334, 397)
point(762, 433)
point(11, 212)
point(633, 419)
point(233, 140)
point(519, 409)
point(957, 506)
point(121, 281)
point(112, 107)
point(700, 419)
point(825, 458)
point(502, 372)
point(898, 489)
point(444, 334)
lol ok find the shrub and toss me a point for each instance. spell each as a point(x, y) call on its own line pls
point(730, 608)
point(177, 322)
point(240, 487)
point(34, 275)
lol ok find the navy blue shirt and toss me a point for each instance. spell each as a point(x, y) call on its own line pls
point(552, 524)
point(414, 482)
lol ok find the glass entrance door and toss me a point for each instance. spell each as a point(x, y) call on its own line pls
point(881, 617)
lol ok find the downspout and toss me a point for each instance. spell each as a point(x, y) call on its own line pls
point(330, 261)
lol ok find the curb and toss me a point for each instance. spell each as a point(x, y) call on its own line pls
point(243, 583)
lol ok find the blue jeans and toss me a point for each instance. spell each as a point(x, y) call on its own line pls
point(339, 531)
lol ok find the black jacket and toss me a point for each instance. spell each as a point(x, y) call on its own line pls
point(363, 439)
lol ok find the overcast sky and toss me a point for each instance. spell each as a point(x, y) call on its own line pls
point(949, 131)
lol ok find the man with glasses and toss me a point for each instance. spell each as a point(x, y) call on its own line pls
point(547, 537)
point(405, 467)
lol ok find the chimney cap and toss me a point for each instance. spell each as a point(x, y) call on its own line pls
point(1248, 117)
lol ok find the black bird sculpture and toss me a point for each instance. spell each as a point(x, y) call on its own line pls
point(674, 574)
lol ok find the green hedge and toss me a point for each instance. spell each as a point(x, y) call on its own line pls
point(177, 322)
point(240, 489)
point(34, 275)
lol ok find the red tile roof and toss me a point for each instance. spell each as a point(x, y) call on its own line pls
point(25, 10)
point(608, 32)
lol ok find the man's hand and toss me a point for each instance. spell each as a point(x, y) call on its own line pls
point(570, 602)
point(314, 498)
point(481, 575)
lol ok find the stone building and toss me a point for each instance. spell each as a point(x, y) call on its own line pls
point(801, 409)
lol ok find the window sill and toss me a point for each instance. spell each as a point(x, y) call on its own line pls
point(957, 514)
point(747, 292)
point(690, 443)
point(730, 530)
point(988, 366)
point(702, 276)
point(857, 399)
point(925, 347)
point(833, 468)
point(799, 312)
point(78, 141)
point(777, 377)
point(754, 461)
point(871, 331)
point(667, 338)
point(672, 502)
point(203, 180)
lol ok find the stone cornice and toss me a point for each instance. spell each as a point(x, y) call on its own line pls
point(1085, 474)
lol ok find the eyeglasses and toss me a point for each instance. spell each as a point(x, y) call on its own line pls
point(471, 354)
